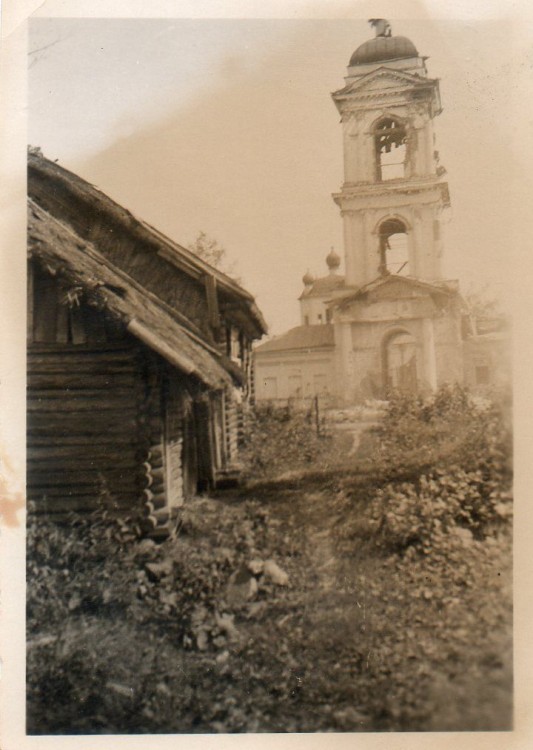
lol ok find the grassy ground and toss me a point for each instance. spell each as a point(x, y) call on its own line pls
point(355, 641)
point(198, 635)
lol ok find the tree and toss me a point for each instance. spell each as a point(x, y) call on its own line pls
point(483, 300)
point(211, 252)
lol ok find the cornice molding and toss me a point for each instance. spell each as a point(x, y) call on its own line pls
point(409, 88)
point(355, 192)
point(405, 78)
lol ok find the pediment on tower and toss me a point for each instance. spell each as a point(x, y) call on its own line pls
point(384, 81)
point(412, 295)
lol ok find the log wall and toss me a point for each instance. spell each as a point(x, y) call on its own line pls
point(231, 428)
point(108, 421)
point(84, 440)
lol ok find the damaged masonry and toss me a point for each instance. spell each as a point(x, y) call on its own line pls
point(392, 321)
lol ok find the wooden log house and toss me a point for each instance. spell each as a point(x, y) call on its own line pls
point(139, 358)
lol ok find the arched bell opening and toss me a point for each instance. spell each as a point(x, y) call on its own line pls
point(393, 248)
point(390, 142)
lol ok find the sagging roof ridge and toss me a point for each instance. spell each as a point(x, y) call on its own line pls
point(193, 331)
point(169, 249)
point(199, 358)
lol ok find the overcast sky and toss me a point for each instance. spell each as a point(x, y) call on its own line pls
point(227, 126)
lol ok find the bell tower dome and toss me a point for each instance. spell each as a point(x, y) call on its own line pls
point(393, 195)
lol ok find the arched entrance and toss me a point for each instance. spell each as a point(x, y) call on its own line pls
point(400, 366)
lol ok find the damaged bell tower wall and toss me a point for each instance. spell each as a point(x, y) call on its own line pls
point(398, 325)
point(392, 178)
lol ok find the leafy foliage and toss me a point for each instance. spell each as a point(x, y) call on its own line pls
point(396, 615)
point(279, 439)
point(465, 445)
point(450, 427)
point(211, 252)
point(483, 300)
point(441, 505)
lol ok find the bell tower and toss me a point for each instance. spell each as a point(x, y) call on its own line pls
point(393, 195)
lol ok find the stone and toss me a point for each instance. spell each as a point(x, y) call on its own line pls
point(252, 588)
point(157, 571)
point(226, 625)
point(242, 586)
point(74, 602)
point(256, 609)
point(145, 546)
point(222, 658)
point(350, 718)
point(274, 573)
point(201, 640)
point(465, 535)
point(256, 566)
point(119, 689)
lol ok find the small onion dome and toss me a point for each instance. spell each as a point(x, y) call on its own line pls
point(383, 48)
point(308, 279)
point(333, 260)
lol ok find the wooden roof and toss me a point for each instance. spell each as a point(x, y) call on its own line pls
point(105, 224)
point(65, 255)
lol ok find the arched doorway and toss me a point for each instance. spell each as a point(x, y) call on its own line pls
point(400, 367)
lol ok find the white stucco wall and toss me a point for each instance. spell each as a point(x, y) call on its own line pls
point(299, 376)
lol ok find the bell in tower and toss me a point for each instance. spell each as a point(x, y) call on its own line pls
point(398, 323)
point(391, 322)
point(393, 194)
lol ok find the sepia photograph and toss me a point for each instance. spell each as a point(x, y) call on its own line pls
point(269, 410)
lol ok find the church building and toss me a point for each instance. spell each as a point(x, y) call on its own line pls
point(392, 321)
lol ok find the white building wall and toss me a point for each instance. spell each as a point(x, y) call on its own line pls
point(297, 376)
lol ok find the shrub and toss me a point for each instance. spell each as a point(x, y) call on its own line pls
point(443, 502)
point(465, 446)
point(281, 438)
point(62, 560)
point(452, 427)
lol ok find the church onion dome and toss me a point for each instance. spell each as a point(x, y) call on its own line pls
point(382, 49)
point(308, 279)
point(333, 260)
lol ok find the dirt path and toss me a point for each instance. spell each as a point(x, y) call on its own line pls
point(353, 640)
point(378, 643)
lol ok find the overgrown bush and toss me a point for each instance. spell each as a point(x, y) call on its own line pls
point(446, 502)
point(77, 570)
point(450, 427)
point(281, 438)
point(83, 674)
point(78, 566)
point(465, 445)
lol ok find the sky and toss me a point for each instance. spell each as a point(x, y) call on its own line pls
point(227, 126)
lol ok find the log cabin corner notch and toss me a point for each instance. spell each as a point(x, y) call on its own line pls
point(139, 357)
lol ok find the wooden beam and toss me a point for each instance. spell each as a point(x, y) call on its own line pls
point(212, 301)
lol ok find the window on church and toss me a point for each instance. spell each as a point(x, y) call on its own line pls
point(482, 374)
point(391, 149)
point(393, 248)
